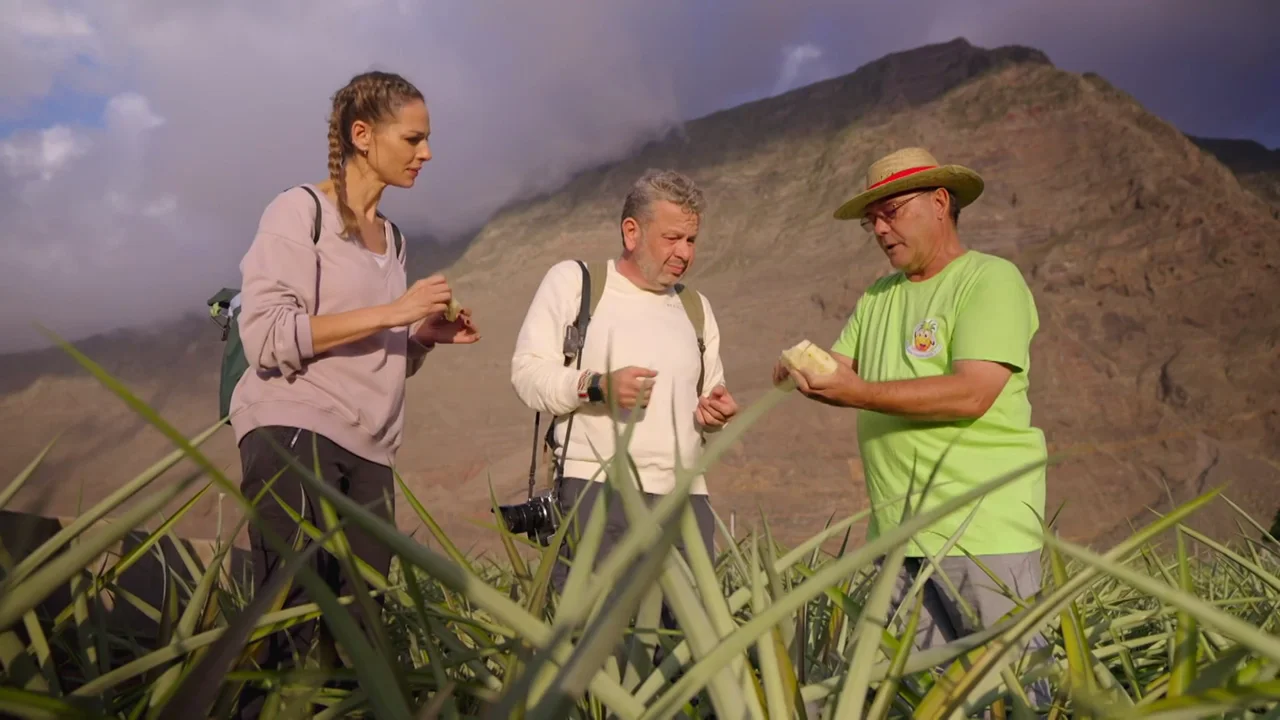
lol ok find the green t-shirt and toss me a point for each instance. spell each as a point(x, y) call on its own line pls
point(978, 308)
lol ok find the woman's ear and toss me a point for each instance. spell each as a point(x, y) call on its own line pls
point(361, 136)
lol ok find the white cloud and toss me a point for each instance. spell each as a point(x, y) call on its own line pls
point(211, 108)
point(40, 42)
point(131, 113)
point(800, 66)
point(160, 207)
point(215, 107)
point(41, 21)
point(88, 233)
point(42, 154)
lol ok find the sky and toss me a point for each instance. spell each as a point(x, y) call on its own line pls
point(140, 139)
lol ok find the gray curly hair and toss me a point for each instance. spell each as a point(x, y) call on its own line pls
point(655, 185)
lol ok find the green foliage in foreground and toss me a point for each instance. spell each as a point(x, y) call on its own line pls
point(768, 631)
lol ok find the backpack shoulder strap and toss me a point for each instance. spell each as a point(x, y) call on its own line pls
point(576, 336)
point(599, 269)
point(587, 303)
point(395, 233)
point(315, 227)
point(692, 302)
point(574, 340)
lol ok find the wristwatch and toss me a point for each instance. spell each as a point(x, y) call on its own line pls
point(589, 387)
point(595, 393)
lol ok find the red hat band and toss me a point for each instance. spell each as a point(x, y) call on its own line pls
point(901, 174)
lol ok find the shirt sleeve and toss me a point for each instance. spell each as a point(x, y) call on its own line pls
point(415, 356)
point(279, 286)
point(847, 343)
point(996, 318)
point(538, 373)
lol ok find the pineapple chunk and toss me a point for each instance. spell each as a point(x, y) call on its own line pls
point(809, 358)
point(451, 312)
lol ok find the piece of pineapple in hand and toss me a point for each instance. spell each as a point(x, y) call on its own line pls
point(809, 358)
point(451, 312)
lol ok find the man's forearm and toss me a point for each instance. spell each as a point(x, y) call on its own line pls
point(941, 398)
point(544, 385)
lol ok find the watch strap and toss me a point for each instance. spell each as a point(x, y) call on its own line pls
point(595, 389)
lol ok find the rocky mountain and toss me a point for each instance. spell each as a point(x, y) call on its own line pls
point(1257, 167)
point(1153, 268)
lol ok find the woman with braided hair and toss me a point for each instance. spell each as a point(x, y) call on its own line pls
point(331, 331)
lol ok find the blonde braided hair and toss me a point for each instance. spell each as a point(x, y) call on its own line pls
point(370, 97)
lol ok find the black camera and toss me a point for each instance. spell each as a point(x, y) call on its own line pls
point(535, 517)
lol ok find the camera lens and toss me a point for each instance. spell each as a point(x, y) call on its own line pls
point(545, 519)
point(534, 516)
point(518, 518)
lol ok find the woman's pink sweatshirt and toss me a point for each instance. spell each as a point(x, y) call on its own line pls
point(352, 394)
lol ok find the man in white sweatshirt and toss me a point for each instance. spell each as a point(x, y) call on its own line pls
point(642, 348)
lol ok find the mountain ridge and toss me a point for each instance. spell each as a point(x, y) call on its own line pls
point(1257, 166)
point(1127, 232)
point(868, 77)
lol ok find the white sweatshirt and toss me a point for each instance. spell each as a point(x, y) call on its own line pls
point(631, 326)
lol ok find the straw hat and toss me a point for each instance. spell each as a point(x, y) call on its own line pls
point(911, 169)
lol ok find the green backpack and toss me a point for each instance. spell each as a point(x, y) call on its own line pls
point(224, 308)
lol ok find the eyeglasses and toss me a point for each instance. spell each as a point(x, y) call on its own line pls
point(888, 214)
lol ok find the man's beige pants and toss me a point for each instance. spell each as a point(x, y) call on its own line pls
point(943, 619)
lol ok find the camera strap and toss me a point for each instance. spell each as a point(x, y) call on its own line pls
point(574, 340)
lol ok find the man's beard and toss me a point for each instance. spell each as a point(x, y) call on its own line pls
point(653, 271)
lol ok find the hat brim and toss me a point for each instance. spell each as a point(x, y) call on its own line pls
point(965, 183)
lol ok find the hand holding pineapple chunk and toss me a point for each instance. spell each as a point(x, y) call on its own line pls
point(453, 326)
point(814, 372)
point(809, 359)
point(452, 311)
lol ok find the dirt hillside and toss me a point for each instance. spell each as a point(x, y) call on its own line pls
point(1154, 270)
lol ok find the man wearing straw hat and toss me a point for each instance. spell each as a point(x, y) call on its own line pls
point(935, 358)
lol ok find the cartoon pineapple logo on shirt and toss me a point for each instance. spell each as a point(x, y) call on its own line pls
point(924, 341)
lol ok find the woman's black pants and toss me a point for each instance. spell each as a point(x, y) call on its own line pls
point(365, 482)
